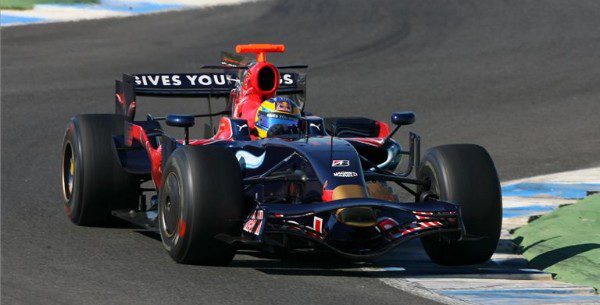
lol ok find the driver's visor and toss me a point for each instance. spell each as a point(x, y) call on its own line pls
point(268, 119)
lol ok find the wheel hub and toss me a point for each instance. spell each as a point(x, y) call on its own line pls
point(68, 172)
point(171, 209)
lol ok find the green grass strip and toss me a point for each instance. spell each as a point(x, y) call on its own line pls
point(566, 242)
point(28, 4)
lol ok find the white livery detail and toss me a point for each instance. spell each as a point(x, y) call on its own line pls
point(345, 174)
point(249, 160)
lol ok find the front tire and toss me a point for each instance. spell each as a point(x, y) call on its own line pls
point(93, 181)
point(463, 174)
point(200, 197)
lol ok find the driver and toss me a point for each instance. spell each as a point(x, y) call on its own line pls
point(277, 116)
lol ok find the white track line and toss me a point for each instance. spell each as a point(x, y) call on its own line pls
point(64, 13)
point(197, 3)
point(419, 290)
point(582, 176)
point(59, 12)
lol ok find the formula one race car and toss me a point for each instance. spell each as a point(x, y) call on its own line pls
point(321, 185)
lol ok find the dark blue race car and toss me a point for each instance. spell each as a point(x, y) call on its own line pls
point(323, 184)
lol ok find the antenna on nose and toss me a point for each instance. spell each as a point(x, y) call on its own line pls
point(260, 49)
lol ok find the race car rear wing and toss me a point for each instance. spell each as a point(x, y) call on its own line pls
point(206, 84)
point(214, 84)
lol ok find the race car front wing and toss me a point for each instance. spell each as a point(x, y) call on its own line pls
point(355, 228)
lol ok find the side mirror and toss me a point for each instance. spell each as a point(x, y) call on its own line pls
point(403, 118)
point(399, 119)
point(181, 120)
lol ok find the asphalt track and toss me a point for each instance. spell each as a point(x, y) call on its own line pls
point(519, 77)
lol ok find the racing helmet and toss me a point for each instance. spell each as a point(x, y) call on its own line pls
point(277, 115)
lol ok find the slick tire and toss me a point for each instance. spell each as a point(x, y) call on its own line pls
point(463, 174)
point(93, 181)
point(200, 197)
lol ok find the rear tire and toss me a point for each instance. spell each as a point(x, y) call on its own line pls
point(200, 197)
point(464, 174)
point(93, 181)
